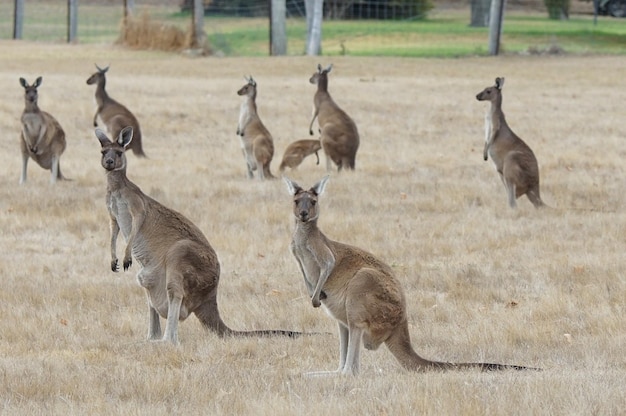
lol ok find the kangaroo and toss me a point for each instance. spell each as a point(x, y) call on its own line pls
point(514, 160)
point(256, 141)
point(339, 135)
point(113, 114)
point(180, 270)
point(42, 137)
point(358, 290)
point(297, 151)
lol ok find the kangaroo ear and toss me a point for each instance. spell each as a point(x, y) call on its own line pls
point(102, 70)
point(37, 82)
point(104, 140)
point(499, 82)
point(251, 81)
point(23, 83)
point(292, 187)
point(328, 69)
point(319, 187)
point(125, 137)
point(319, 68)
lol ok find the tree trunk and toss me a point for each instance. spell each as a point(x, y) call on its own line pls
point(314, 31)
point(480, 13)
point(278, 29)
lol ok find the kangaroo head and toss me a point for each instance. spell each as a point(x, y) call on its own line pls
point(97, 76)
point(305, 206)
point(113, 157)
point(30, 91)
point(249, 88)
point(321, 74)
point(491, 93)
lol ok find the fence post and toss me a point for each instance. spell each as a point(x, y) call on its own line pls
point(18, 19)
point(496, 16)
point(129, 8)
point(278, 27)
point(72, 20)
point(197, 24)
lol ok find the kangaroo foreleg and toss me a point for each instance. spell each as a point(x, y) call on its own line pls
point(137, 219)
point(325, 269)
point(315, 112)
point(115, 229)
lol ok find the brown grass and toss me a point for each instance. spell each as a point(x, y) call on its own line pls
point(145, 33)
point(483, 282)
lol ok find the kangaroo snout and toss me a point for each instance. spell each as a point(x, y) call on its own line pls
point(108, 163)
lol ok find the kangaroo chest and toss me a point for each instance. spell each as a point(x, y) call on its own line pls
point(308, 260)
point(32, 123)
point(119, 209)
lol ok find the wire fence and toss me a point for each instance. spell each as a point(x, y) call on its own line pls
point(240, 27)
point(98, 21)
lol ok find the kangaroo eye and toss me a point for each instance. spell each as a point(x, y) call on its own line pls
point(119, 153)
point(313, 202)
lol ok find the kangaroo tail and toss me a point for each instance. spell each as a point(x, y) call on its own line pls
point(489, 366)
point(266, 333)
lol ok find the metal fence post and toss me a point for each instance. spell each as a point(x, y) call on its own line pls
point(72, 20)
point(18, 19)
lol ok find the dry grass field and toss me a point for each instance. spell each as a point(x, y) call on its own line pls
point(483, 282)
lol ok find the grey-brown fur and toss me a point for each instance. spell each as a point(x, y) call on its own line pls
point(514, 160)
point(179, 269)
point(114, 115)
point(357, 289)
point(297, 151)
point(256, 141)
point(42, 137)
point(339, 135)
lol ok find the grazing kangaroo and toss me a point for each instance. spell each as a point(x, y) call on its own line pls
point(339, 135)
point(180, 270)
point(297, 151)
point(42, 137)
point(256, 141)
point(514, 160)
point(358, 290)
point(113, 114)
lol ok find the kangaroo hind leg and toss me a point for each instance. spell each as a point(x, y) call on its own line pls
point(343, 354)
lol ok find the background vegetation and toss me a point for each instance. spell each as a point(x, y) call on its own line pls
point(445, 33)
point(540, 288)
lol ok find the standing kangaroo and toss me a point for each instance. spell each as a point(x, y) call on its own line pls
point(514, 160)
point(358, 290)
point(113, 114)
point(256, 141)
point(180, 270)
point(339, 135)
point(42, 137)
